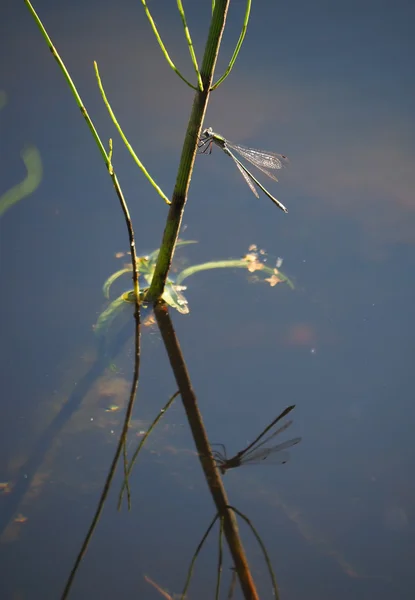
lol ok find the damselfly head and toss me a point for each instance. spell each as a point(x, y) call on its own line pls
point(207, 132)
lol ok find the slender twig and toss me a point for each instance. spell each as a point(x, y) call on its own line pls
point(141, 444)
point(124, 138)
point(220, 560)
point(190, 44)
point(134, 385)
point(264, 550)
point(237, 48)
point(126, 480)
point(163, 47)
point(106, 156)
point(204, 450)
point(195, 555)
point(189, 150)
point(70, 82)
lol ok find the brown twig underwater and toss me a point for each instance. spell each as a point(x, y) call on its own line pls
point(213, 478)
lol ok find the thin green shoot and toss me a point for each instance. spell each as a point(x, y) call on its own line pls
point(238, 45)
point(190, 44)
point(70, 82)
point(124, 138)
point(163, 47)
point(261, 159)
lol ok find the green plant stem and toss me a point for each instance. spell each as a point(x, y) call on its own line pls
point(237, 48)
point(204, 450)
point(106, 156)
point(163, 47)
point(124, 138)
point(189, 150)
point(190, 44)
point(70, 83)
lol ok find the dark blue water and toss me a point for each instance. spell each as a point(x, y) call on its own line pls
point(329, 85)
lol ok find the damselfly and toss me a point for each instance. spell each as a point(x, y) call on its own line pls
point(259, 158)
point(255, 452)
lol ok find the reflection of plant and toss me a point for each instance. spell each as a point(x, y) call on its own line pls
point(254, 262)
point(33, 164)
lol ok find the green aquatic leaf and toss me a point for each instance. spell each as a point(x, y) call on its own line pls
point(108, 283)
point(107, 317)
point(255, 262)
point(30, 183)
point(173, 296)
point(240, 263)
point(146, 265)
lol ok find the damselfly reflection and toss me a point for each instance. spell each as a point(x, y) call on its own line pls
point(256, 451)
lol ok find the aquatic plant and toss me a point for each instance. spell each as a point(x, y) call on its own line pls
point(33, 163)
point(152, 272)
point(255, 261)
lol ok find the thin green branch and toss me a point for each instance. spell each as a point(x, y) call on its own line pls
point(237, 48)
point(189, 150)
point(106, 156)
point(125, 140)
point(163, 47)
point(70, 83)
point(190, 44)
